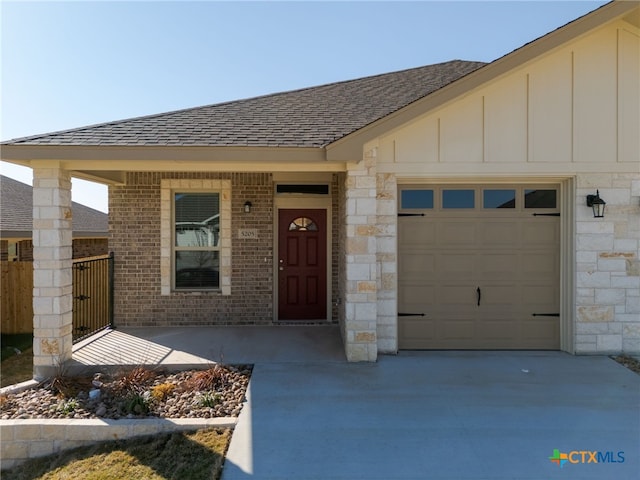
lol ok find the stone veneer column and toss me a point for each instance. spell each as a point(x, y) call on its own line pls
point(360, 308)
point(52, 263)
point(386, 253)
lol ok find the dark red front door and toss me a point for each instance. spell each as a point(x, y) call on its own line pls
point(302, 264)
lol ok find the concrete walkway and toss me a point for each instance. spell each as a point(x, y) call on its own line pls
point(439, 415)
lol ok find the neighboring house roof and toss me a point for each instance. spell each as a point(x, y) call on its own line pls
point(16, 213)
point(310, 117)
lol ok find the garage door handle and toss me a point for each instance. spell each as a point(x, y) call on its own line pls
point(479, 292)
point(410, 314)
point(545, 314)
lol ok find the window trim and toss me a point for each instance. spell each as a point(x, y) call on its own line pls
point(168, 188)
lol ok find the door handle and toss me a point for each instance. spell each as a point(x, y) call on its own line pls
point(479, 292)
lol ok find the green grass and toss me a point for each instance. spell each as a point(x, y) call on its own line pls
point(194, 455)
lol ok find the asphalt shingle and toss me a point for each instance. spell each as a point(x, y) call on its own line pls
point(16, 211)
point(310, 117)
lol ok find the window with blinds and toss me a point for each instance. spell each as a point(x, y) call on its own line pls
point(196, 241)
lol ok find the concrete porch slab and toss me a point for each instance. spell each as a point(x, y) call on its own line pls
point(187, 347)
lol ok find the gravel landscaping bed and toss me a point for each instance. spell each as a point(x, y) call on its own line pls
point(630, 362)
point(136, 393)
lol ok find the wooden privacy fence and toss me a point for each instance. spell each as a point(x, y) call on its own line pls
point(16, 297)
point(92, 296)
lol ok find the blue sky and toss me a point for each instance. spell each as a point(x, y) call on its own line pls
point(76, 63)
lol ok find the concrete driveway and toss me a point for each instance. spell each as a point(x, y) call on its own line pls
point(440, 415)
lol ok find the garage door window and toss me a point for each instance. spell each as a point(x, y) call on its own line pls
point(458, 199)
point(499, 199)
point(540, 199)
point(491, 200)
point(416, 199)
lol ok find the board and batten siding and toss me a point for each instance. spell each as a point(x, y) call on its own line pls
point(579, 104)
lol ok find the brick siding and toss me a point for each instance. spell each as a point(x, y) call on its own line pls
point(134, 224)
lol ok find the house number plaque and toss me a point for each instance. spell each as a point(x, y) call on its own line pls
point(247, 233)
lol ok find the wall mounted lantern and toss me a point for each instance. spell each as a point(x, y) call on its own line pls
point(247, 207)
point(598, 204)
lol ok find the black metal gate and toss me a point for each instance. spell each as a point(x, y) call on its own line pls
point(92, 296)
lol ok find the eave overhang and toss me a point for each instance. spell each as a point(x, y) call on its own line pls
point(109, 163)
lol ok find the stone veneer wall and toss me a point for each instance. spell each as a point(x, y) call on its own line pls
point(52, 275)
point(386, 254)
point(608, 265)
point(134, 223)
point(358, 279)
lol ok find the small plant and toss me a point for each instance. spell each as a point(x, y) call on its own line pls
point(67, 406)
point(209, 399)
point(137, 403)
point(160, 392)
point(4, 400)
point(134, 381)
point(63, 384)
point(214, 378)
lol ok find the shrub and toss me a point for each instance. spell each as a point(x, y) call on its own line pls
point(160, 392)
point(214, 378)
point(133, 381)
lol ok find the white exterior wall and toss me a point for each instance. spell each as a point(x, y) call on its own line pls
point(573, 113)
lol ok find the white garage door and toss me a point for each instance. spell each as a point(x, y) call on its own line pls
point(479, 267)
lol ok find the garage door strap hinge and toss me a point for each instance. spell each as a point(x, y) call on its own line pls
point(411, 314)
point(546, 214)
point(411, 214)
point(545, 314)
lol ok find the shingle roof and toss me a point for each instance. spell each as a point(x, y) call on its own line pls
point(310, 117)
point(16, 212)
